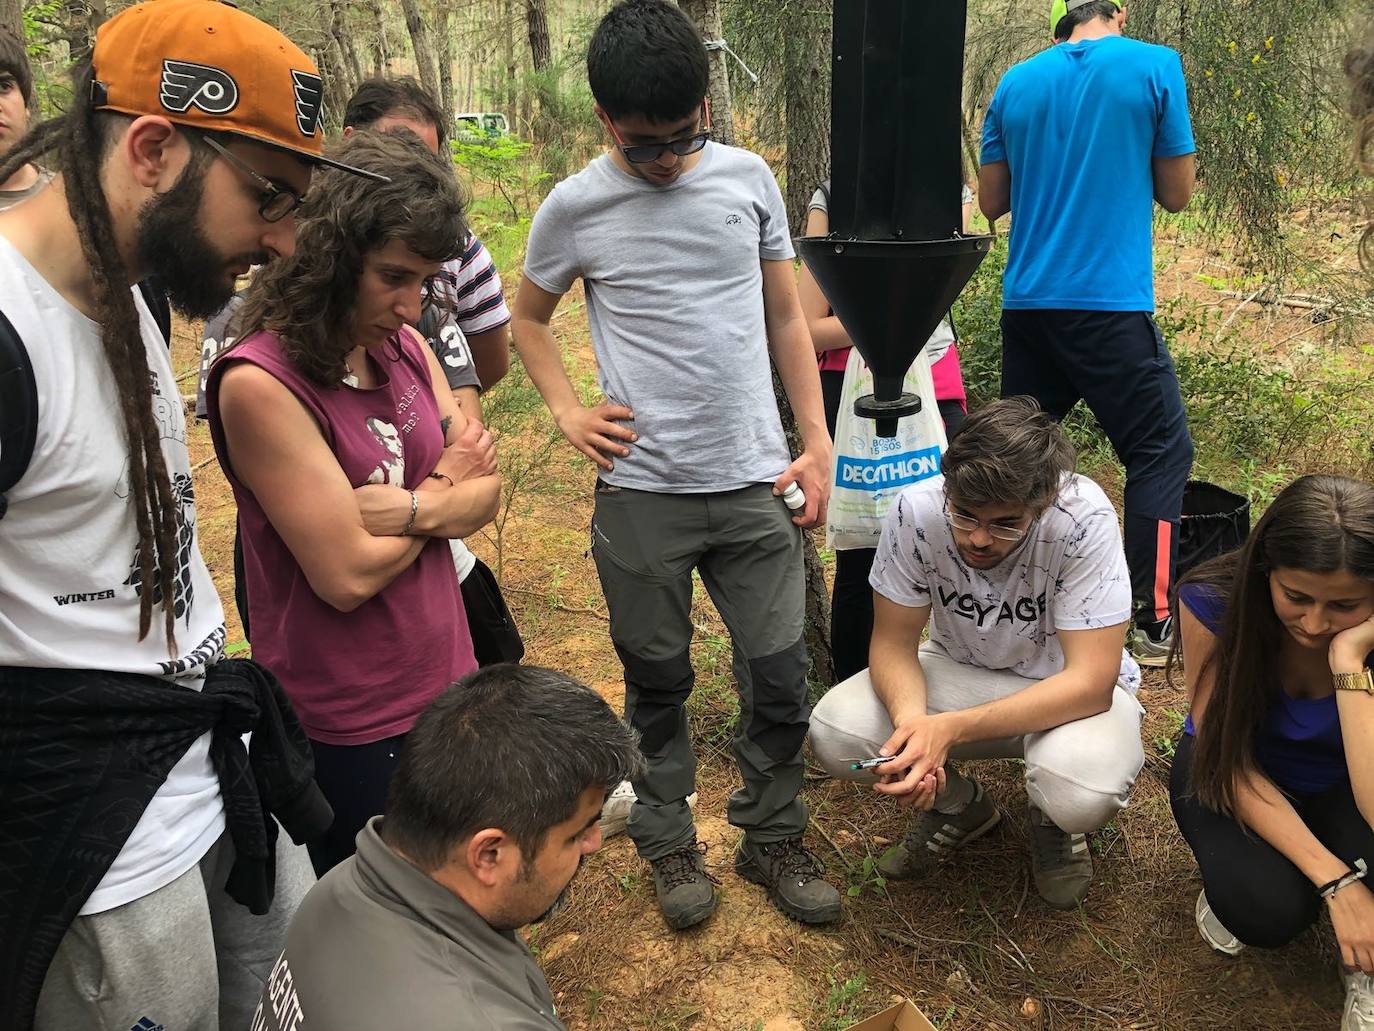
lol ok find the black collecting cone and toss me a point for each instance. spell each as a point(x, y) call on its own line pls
point(890, 295)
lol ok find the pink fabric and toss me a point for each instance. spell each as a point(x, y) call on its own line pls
point(354, 677)
point(833, 361)
point(948, 379)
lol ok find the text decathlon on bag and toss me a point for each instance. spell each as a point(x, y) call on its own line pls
point(889, 471)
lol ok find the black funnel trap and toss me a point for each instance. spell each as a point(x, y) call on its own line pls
point(896, 257)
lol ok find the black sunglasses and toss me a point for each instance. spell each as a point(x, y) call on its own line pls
point(644, 153)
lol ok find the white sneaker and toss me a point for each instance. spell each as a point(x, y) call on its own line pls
point(1358, 1014)
point(1214, 932)
point(616, 809)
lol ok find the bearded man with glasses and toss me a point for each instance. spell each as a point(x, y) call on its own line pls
point(1015, 564)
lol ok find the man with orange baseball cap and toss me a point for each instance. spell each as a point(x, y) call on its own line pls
point(145, 882)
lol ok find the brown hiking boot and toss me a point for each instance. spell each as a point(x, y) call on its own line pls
point(792, 876)
point(686, 892)
point(934, 836)
point(1061, 862)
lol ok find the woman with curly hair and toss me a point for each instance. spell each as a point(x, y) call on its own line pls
point(352, 468)
point(1273, 780)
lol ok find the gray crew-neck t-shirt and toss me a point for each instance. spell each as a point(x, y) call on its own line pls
point(674, 286)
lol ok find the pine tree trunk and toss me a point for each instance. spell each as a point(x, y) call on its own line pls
point(816, 616)
point(343, 36)
point(419, 41)
point(380, 58)
point(541, 60)
point(806, 42)
point(511, 101)
point(706, 14)
point(443, 27)
point(807, 99)
point(12, 18)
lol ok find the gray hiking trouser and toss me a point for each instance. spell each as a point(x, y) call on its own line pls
point(186, 957)
point(749, 555)
point(1079, 775)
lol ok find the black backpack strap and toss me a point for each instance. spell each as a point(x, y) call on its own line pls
point(157, 303)
point(18, 409)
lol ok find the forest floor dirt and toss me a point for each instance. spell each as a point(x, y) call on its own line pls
point(973, 947)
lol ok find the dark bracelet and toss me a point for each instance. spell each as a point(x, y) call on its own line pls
point(442, 476)
point(1355, 873)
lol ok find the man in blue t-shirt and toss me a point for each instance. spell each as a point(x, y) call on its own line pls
point(1079, 142)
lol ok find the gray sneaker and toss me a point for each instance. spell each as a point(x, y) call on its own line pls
point(793, 878)
point(935, 835)
point(1213, 931)
point(1060, 862)
point(686, 892)
point(1151, 648)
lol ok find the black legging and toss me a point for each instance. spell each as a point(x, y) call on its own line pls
point(851, 600)
point(355, 779)
point(1260, 896)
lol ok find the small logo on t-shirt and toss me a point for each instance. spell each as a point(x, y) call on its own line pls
point(144, 1024)
point(732, 220)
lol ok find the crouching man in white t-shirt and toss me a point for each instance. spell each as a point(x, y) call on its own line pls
point(1015, 564)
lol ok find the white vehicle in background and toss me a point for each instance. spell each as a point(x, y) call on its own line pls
point(475, 126)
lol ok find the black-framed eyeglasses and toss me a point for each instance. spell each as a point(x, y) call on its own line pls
point(276, 201)
point(968, 524)
point(645, 153)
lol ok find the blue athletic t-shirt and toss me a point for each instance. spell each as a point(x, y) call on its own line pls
point(1078, 126)
point(1300, 745)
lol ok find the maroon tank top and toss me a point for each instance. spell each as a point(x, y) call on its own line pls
point(353, 677)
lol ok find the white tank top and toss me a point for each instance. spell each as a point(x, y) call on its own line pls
point(69, 596)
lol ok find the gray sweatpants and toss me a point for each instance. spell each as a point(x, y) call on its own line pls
point(185, 958)
point(1079, 774)
point(749, 556)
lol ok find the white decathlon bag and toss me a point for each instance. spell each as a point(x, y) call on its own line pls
point(870, 471)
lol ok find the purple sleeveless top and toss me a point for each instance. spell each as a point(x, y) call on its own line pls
point(354, 677)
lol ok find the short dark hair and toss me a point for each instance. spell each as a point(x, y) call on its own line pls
point(1007, 453)
point(1083, 15)
point(14, 60)
point(511, 747)
point(646, 58)
point(375, 99)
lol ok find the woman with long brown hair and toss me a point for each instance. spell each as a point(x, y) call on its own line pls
point(352, 468)
point(1273, 780)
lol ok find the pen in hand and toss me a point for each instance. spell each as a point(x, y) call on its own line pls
point(870, 764)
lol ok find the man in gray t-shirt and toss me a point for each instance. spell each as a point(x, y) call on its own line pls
point(683, 251)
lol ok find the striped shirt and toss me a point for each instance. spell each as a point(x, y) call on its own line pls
point(477, 299)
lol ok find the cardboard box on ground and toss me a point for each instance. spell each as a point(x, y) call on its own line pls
point(901, 1017)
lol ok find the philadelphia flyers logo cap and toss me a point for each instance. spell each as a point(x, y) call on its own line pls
point(208, 65)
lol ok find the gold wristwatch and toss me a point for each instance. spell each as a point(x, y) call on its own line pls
point(1361, 681)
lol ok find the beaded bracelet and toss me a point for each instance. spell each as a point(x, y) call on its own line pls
point(1348, 878)
point(414, 507)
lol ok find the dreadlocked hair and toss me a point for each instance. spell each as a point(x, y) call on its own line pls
point(79, 140)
